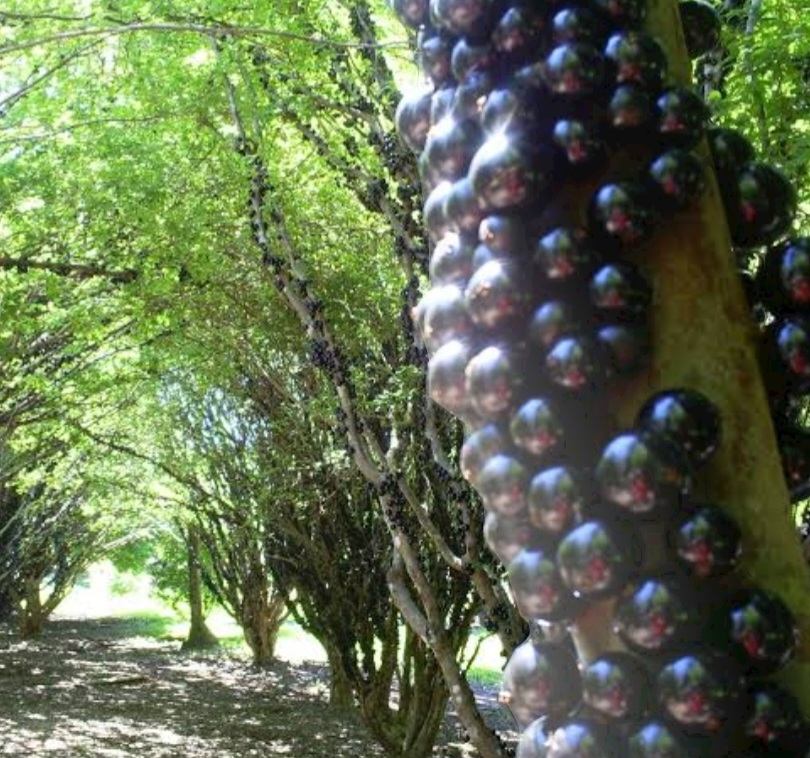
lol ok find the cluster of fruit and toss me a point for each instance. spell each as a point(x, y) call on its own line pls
point(528, 317)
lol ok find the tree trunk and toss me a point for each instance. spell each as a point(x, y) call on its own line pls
point(341, 693)
point(31, 615)
point(704, 338)
point(262, 613)
point(199, 635)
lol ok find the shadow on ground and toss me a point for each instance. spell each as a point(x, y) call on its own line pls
point(96, 688)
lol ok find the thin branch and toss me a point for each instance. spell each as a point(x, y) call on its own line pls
point(79, 271)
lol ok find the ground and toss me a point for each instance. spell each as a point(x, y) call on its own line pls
point(95, 688)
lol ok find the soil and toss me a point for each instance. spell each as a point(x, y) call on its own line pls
point(94, 688)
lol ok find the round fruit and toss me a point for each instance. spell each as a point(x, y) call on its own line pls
point(701, 26)
point(517, 33)
point(619, 292)
point(537, 587)
point(496, 294)
point(506, 536)
point(623, 13)
point(468, 59)
point(793, 343)
point(536, 428)
point(630, 112)
point(493, 381)
point(636, 58)
point(654, 739)
point(551, 321)
point(681, 117)
point(434, 52)
point(574, 69)
point(484, 443)
point(581, 738)
point(450, 147)
point(505, 235)
point(578, 24)
point(532, 742)
point(556, 499)
point(774, 714)
point(445, 317)
point(784, 277)
point(468, 18)
point(628, 346)
point(582, 143)
point(623, 212)
point(577, 362)
point(678, 178)
point(447, 383)
point(730, 151)
point(413, 118)
point(566, 255)
point(413, 13)
point(451, 261)
point(707, 543)
point(502, 485)
point(616, 685)
point(794, 450)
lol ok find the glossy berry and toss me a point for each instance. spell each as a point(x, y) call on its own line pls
point(493, 381)
point(540, 679)
point(784, 277)
point(506, 536)
point(595, 560)
point(582, 143)
point(450, 147)
point(658, 616)
point(412, 13)
point(484, 443)
point(441, 103)
point(517, 34)
point(507, 173)
point(794, 451)
point(620, 293)
point(566, 255)
point(537, 587)
point(463, 208)
point(623, 13)
point(677, 177)
point(763, 632)
point(581, 737)
point(701, 26)
point(623, 212)
point(630, 112)
point(435, 51)
point(532, 743)
point(535, 427)
point(502, 485)
point(681, 117)
point(471, 94)
point(760, 205)
point(628, 346)
point(616, 686)
point(577, 363)
point(701, 693)
point(774, 714)
point(731, 152)
point(574, 69)
point(496, 294)
point(505, 235)
point(578, 24)
point(445, 317)
point(707, 543)
point(556, 499)
point(467, 59)
point(654, 739)
point(552, 320)
point(684, 419)
point(513, 109)
point(447, 383)
point(451, 261)
point(792, 335)
point(434, 213)
point(638, 475)
point(412, 118)
point(636, 58)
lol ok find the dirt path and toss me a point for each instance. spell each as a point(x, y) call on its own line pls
point(89, 688)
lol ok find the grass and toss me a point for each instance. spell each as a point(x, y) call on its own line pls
point(105, 593)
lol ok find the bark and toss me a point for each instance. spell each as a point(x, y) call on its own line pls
point(704, 338)
point(199, 635)
point(261, 616)
point(341, 692)
point(31, 617)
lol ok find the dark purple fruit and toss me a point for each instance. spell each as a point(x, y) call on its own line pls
point(434, 213)
point(468, 59)
point(623, 13)
point(760, 205)
point(630, 111)
point(506, 172)
point(638, 475)
point(447, 382)
point(774, 715)
point(628, 346)
point(595, 560)
point(707, 543)
point(441, 103)
point(513, 109)
point(620, 293)
point(413, 118)
point(794, 450)
point(445, 317)
point(451, 261)
point(654, 739)
point(472, 93)
point(505, 235)
point(532, 742)
point(577, 363)
point(496, 295)
point(624, 212)
point(792, 336)
point(434, 52)
point(551, 321)
point(540, 679)
point(517, 34)
point(556, 499)
point(581, 738)
point(506, 536)
point(636, 58)
point(616, 686)
point(659, 615)
point(701, 693)
point(678, 178)
point(784, 277)
point(763, 632)
point(537, 587)
point(681, 117)
point(574, 69)
point(412, 13)
point(566, 255)
point(451, 145)
point(502, 485)
point(463, 208)
point(493, 381)
point(701, 26)
point(684, 419)
point(731, 152)
point(468, 18)
point(578, 24)
point(484, 443)
point(582, 143)
point(535, 427)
